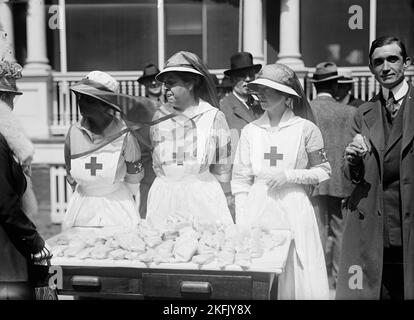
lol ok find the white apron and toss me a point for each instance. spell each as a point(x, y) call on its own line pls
point(99, 200)
point(182, 190)
point(287, 208)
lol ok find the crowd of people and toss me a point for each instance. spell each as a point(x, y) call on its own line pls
point(337, 172)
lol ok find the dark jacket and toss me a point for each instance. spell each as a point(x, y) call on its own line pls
point(333, 119)
point(237, 115)
point(355, 102)
point(18, 235)
point(363, 237)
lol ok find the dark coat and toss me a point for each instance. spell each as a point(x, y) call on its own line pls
point(333, 119)
point(363, 240)
point(355, 102)
point(237, 115)
point(18, 235)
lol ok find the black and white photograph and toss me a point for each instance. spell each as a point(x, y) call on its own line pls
point(177, 151)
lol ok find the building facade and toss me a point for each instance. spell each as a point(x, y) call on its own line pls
point(59, 41)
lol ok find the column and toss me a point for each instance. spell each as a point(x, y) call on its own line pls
point(36, 36)
point(289, 52)
point(253, 40)
point(6, 22)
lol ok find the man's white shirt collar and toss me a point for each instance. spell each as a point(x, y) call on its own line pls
point(241, 99)
point(399, 91)
point(324, 94)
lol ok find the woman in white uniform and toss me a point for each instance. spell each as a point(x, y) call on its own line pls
point(191, 149)
point(103, 159)
point(277, 157)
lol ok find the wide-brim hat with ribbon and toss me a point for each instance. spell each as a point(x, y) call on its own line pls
point(150, 71)
point(179, 63)
point(345, 75)
point(325, 71)
point(101, 86)
point(276, 76)
point(9, 72)
point(242, 61)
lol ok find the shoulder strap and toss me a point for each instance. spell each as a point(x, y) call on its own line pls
point(108, 141)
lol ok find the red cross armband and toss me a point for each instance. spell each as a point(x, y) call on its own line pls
point(134, 167)
point(317, 157)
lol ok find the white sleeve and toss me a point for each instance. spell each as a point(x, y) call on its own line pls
point(242, 174)
point(319, 167)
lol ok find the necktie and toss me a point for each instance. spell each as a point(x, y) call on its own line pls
point(391, 105)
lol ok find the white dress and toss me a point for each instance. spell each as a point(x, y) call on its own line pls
point(186, 185)
point(262, 151)
point(102, 197)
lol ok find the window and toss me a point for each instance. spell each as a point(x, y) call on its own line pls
point(209, 28)
point(326, 35)
point(111, 35)
point(396, 18)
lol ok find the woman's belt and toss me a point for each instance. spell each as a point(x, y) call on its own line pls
point(98, 190)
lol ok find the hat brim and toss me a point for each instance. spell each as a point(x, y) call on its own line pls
point(161, 75)
point(109, 98)
point(346, 80)
point(11, 91)
point(144, 79)
point(272, 84)
point(326, 79)
point(256, 68)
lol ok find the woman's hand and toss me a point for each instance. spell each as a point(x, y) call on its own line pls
point(277, 180)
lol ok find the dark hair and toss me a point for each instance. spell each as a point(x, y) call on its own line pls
point(325, 86)
point(385, 40)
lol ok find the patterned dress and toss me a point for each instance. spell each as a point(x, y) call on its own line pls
point(293, 146)
point(191, 155)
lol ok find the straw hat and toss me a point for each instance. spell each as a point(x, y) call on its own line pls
point(9, 72)
point(345, 75)
point(101, 86)
point(276, 76)
point(178, 62)
point(325, 71)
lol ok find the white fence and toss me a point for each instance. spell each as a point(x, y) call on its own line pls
point(60, 192)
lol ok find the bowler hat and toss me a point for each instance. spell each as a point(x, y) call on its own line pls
point(346, 75)
point(276, 76)
point(9, 72)
point(150, 71)
point(179, 63)
point(241, 61)
point(325, 71)
point(101, 86)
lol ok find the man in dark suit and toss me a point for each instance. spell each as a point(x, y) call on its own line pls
point(377, 259)
point(239, 107)
point(332, 119)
